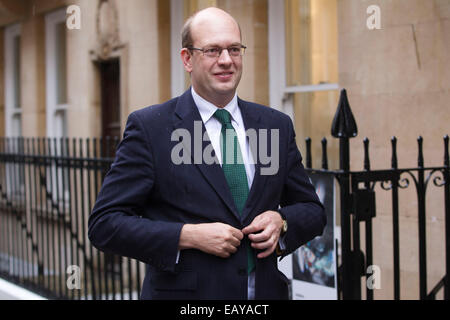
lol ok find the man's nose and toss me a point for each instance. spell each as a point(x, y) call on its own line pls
point(224, 57)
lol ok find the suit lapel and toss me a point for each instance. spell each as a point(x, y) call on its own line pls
point(252, 120)
point(188, 117)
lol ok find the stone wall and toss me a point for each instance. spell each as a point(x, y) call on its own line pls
point(398, 83)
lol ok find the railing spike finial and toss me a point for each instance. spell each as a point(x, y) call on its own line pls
point(308, 153)
point(446, 155)
point(324, 154)
point(344, 125)
point(420, 161)
point(366, 154)
point(394, 162)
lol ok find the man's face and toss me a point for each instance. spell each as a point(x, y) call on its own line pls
point(215, 79)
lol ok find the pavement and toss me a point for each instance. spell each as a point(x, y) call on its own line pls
point(6, 296)
point(10, 291)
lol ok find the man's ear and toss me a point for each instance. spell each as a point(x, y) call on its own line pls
point(186, 58)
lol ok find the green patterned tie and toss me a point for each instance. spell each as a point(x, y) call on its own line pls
point(234, 169)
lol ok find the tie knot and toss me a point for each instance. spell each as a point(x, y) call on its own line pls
point(223, 116)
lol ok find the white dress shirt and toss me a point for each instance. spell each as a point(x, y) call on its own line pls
point(214, 127)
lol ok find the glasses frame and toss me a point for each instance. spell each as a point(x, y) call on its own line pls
point(242, 51)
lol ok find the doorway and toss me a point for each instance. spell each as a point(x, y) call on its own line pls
point(110, 98)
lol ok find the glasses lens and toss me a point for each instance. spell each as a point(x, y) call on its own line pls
point(235, 51)
point(212, 52)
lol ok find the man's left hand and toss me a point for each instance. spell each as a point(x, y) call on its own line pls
point(264, 232)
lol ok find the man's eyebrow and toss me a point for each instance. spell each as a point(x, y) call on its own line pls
point(217, 45)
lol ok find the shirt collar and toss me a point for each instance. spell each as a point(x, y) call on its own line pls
point(207, 109)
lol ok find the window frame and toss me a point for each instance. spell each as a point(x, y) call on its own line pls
point(53, 109)
point(56, 113)
point(282, 95)
point(177, 74)
point(15, 178)
point(11, 111)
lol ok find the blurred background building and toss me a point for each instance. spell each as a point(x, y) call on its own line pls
point(57, 81)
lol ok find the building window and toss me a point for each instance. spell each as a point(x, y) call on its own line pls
point(60, 63)
point(15, 178)
point(56, 73)
point(177, 73)
point(13, 108)
point(303, 43)
point(56, 104)
point(311, 42)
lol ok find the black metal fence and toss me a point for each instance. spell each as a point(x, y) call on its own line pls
point(357, 205)
point(48, 187)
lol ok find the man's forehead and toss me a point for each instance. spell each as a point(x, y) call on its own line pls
point(213, 15)
point(215, 28)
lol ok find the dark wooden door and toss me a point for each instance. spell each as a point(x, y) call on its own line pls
point(110, 95)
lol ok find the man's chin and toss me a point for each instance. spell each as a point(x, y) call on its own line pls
point(225, 88)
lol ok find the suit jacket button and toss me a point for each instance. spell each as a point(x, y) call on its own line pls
point(242, 271)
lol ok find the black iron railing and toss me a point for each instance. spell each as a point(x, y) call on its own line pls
point(357, 205)
point(47, 190)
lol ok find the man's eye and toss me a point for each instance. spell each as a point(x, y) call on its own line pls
point(212, 50)
point(235, 49)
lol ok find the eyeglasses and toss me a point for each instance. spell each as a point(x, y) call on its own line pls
point(215, 52)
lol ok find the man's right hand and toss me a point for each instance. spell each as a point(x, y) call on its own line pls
point(214, 238)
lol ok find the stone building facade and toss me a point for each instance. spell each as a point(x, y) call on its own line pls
point(57, 80)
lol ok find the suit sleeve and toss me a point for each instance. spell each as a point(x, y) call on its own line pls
point(116, 224)
point(299, 202)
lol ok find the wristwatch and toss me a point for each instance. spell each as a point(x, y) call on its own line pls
point(284, 228)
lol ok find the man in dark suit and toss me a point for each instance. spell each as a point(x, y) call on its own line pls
point(208, 230)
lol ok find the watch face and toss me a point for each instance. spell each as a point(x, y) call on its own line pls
point(285, 226)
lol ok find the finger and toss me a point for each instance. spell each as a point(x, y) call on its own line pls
point(263, 245)
point(235, 242)
point(253, 228)
point(237, 233)
point(234, 237)
point(231, 249)
point(260, 237)
point(269, 231)
point(227, 251)
point(267, 252)
point(248, 229)
point(222, 254)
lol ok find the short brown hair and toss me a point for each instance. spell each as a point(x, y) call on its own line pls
point(186, 37)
